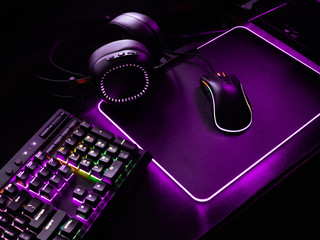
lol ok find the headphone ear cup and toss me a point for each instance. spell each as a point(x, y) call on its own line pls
point(120, 71)
point(141, 28)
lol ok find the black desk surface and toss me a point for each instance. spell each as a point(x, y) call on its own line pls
point(159, 209)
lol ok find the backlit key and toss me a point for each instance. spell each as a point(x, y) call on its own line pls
point(32, 207)
point(84, 211)
point(86, 165)
point(94, 154)
point(53, 164)
point(101, 133)
point(101, 145)
point(74, 159)
point(65, 171)
point(63, 153)
point(10, 190)
point(90, 139)
point(41, 218)
point(82, 149)
point(97, 171)
point(15, 205)
point(71, 228)
point(112, 150)
point(35, 184)
point(44, 174)
point(48, 191)
point(113, 172)
point(79, 193)
point(71, 142)
point(53, 225)
point(23, 178)
point(92, 199)
point(101, 188)
point(57, 181)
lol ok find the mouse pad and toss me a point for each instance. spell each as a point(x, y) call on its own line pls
point(176, 124)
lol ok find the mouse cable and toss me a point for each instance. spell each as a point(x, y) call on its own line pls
point(183, 54)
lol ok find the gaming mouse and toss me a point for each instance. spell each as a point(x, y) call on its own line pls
point(231, 109)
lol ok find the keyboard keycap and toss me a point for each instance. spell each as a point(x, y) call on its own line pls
point(71, 228)
point(10, 190)
point(82, 149)
point(15, 206)
point(90, 139)
point(48, 191)
point(32, 207)
point(101, 133)
point(23, 178)
point(112, 150)
point(101, 145)
point(79, 193)
point(71, 142)
point(113, 172)
point(97, 171)
point(105, 160)
point(63, 153)
point(53, 225)
point(125, 144)
point(124, 157)
point(5, 219)
point(44, 174)
point(35, 184)
point(3, 202)
point(65, 171)
point(21, 221)
point(26, 235)
point(74, 159)
point(40, 158)
point(32, 167)
point(84, 211)
point(73, 124)
point(11, 233)
point(78, 133)
point(85, 125)
point(53, 164)
point(41, 218)
point(101, 188)
point(92, 199)
point(94, 154)
point(86, 164)
point(57, 181)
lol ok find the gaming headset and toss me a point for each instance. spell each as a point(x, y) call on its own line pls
point(119, 71)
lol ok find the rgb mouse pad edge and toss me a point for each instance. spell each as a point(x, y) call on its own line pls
point(177, 128)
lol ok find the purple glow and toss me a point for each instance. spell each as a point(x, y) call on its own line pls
point(266, 40)
point(214, 111)
point(268, 11)
point(282, 48)
point(230, 182)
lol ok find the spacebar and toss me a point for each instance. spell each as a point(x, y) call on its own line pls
point(53, 226)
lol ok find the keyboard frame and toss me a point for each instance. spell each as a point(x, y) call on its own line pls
point(37, 144)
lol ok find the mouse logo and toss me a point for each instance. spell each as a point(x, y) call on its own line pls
point(227, 82)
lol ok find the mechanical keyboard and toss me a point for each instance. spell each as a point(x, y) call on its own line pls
point(66, 176)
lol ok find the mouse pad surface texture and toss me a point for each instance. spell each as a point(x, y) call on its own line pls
point(176, 124)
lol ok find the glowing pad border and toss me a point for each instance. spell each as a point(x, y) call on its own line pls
point(251, 166)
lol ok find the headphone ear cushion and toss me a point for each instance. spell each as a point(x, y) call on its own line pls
point(141, 28)
point(120, 71)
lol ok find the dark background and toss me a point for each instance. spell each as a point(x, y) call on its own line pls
point(28, 28)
